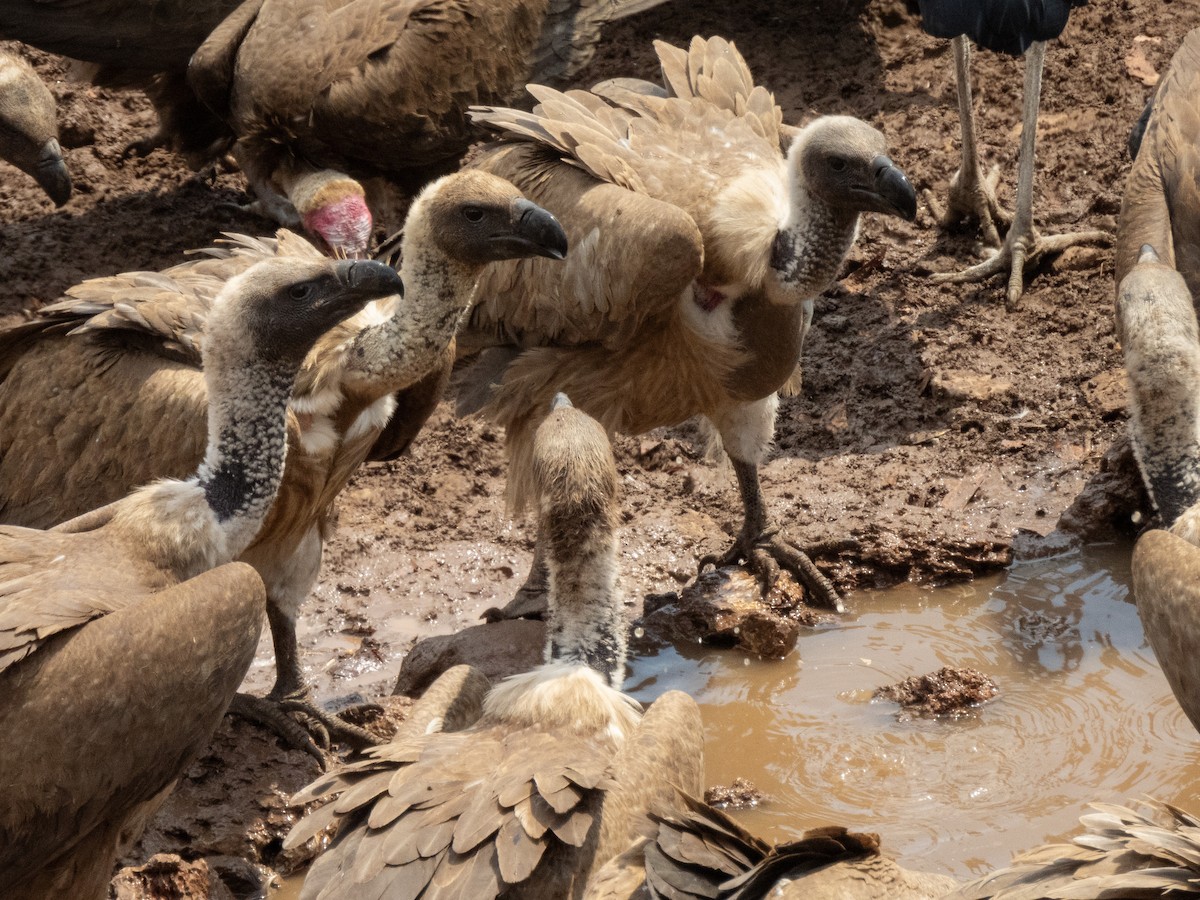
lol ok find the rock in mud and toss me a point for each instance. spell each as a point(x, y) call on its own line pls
point(949, 691)
point(1114, 501)
point(725, 608)
point(498, 649)
point(167, 876)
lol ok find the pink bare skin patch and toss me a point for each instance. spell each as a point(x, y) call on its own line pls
point(344, 225)
point(707, 298)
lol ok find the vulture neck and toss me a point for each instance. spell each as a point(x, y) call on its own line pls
point(404, 347)
point(585, 625)
point(247, 443)
point(812, 241)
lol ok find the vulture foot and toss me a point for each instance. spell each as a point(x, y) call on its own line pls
point(528, 603)
point(312, 730)
point(972, 197)
point(766, 553)
point(145, 146)
point(1018, 253)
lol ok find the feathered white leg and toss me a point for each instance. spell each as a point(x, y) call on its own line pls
point(1023, 246)
point(746, 432)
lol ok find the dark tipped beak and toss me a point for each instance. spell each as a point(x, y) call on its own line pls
point(369, 279)
point(894, 189)
point(51, 173)
point(560, 401)
point(537, 232)
point(1148, 254)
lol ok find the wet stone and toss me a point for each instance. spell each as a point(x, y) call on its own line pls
point(949, 691)
point(498, 649)
point(167, 876)
point(725, 608)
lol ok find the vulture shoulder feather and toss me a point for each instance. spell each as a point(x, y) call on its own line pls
point(1161, 205)
point(632, 256)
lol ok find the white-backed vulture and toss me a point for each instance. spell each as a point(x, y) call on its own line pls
point(558, 770)
point(119, 649)
point(1161, 203)
point(695, 851)
point(699, 251)
point(379, 87)
point(86, 386)
point(29, 128)
point(143, 44)
point(1014, 27)
point(1124, 853)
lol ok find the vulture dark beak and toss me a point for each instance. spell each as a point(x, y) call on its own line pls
point(51, 173)
point(369, 280)
point(893, 189)
point(535, 232)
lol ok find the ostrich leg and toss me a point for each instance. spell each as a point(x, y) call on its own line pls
point(1023, 246)
point(971, 195)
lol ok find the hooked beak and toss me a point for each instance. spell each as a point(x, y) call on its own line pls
point(535, 232)
point(892, 190)
point(369, 280)
point(51, 173)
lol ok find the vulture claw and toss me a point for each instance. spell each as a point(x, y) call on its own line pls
point(766, 554)
point(330, 725)
point(144, 146)
point(270, 715)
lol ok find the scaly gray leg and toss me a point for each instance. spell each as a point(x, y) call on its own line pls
point(759, 544)
point(1023, 246)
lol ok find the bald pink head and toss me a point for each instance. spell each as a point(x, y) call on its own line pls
point(344, 225)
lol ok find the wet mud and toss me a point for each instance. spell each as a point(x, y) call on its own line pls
point(936, 437)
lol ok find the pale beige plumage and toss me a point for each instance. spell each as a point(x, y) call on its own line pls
point(1123, 853)
point(119, 649)
point(556, 774)
point(87, 386)
point(29, 128)
point(698, 250)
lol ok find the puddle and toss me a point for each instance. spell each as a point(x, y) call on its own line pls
point(1084, 714)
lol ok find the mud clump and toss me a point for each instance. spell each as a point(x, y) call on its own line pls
point(949, 691)
point(742, 794)
point(167, 876)
point(498, 649)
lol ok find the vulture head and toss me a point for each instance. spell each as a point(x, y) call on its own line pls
point(333, 209)
point(476, 218)
point(276, 310)
point(843, 162)
point(29, 128)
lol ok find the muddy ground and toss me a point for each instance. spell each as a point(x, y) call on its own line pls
point(934, 428)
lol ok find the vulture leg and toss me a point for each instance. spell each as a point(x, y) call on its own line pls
point(971, 195)
point(746, 431)
point(290, 693)
point(1023, 246)
point(530, 601)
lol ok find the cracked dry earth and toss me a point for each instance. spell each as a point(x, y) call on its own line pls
point(935, 434)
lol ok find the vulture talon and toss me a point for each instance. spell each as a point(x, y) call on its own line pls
point(143, 147)
point(270, 714)
point(329, 725)
point(764, 557)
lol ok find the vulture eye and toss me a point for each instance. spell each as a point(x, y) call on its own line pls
point(473, 213)
point(837, 164)
point(300, 291)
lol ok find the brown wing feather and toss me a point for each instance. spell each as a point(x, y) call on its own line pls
point(631, 259)
point(105, 719)
point(1166, 580)
point(402, 809)
point(1161, 205)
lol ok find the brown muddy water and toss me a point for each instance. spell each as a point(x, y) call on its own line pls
point(1083, 715)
